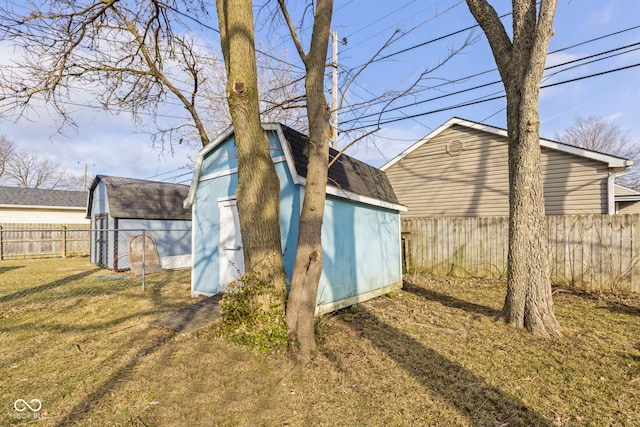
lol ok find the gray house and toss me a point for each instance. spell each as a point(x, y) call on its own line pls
point(124, 210)
point(461, 170)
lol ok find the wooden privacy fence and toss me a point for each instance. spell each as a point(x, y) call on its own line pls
point(590, 252)
point(43, 240)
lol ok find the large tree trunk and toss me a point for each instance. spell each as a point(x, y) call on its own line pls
point(308, 266)
point(258, 192)
point(529, 302)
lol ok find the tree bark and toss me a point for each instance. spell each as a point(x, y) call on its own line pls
point(308, 265)
point(528, 303)
point(258, 191)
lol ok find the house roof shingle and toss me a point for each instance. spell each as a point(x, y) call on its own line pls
point(347, 178)
point(19, 196)
point(137, 198)
point(346, 173)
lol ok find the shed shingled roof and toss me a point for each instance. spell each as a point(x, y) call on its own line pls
point(346, 173)
point(141, 199)
point(19, 196)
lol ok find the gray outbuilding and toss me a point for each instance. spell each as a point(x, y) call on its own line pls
point(125, 212)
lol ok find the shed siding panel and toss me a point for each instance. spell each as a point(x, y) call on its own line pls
point(463, 172)
point(207, 218)
point(351, 263)
point(224, 158)
point(172, 237)
point(100, 201)
point(206, 229)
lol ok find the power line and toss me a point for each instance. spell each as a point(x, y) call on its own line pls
point(194, 19)
point(176, 176)
point(499, 81)
point(467, 104)
point(449, 82)
point(164, 173)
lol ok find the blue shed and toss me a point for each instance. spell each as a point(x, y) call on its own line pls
point(121, 208)
point(360, 233)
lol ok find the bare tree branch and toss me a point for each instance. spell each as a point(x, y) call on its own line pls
point(125, 56)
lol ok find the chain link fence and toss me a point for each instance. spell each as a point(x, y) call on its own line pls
point(74, 320)
point(129, 256)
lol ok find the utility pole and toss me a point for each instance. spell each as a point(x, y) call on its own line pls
point(84, 181)
point(334, 89)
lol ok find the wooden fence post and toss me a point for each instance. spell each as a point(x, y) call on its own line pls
point(64, 241)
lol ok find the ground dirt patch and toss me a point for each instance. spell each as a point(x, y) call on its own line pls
point(431, 354)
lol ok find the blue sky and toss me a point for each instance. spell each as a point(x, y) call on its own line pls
point(112, 145)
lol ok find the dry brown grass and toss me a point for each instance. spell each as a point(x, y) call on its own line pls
point(431, 355)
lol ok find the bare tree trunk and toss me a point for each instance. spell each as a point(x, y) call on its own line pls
point(258, 192)
point(529, 302)
point(308, 266)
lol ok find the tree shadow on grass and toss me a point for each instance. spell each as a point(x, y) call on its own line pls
point(621, 308)
point(448, 300)
point(466, 392)
point(9, 268)
point(47, 286)
point(628, 304)
point(82, 409)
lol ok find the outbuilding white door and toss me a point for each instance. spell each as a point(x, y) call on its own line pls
point(230, 249)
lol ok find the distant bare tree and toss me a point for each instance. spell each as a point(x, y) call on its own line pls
point(138, 57)
point(602, 135)
point(6, 150)
point(280, 94)
point(32, 170)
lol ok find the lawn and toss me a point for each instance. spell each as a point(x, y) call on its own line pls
point(432, 354)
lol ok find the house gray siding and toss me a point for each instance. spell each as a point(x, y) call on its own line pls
point(628, 207)
point(463, 172)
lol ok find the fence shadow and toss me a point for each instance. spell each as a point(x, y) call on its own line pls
point(448, 300)
point(468, 393)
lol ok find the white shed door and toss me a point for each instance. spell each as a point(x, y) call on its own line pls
point(230, 249)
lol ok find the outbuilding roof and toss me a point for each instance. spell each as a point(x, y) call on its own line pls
point(347, 174)
point(348, 177)
point(141, 199)
point(44, 198)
